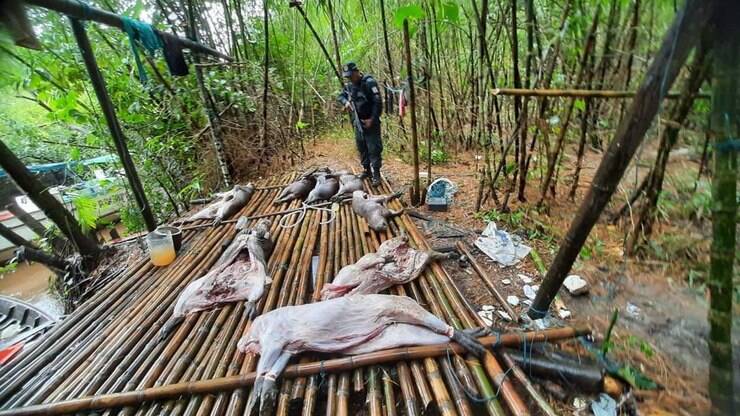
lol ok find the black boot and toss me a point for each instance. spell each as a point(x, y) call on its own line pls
point(376, 179)
point(366, 174)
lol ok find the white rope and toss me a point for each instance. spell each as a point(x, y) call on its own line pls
point(302, 214)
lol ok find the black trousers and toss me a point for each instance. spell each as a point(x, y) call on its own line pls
point(370, 147)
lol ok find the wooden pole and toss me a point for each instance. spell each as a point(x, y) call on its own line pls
point(39, 194)
point(35, 225)
point(412, 109)
point(579, 93)
point(106, 105)
point(300, 370)
point(83, 11)
point(724, 130)
point(677, 44)
point(14, 238)
point(214, 120)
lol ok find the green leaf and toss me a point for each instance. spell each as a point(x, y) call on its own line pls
point(636, 378)
point(86, 211)
point(580, 105)
point(410, 12)
point(451, 11)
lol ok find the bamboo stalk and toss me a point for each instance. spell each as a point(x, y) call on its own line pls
point(487, 280)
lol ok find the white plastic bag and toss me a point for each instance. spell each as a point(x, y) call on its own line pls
point(502, 247)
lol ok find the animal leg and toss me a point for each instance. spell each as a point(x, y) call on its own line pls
point(269, 391)
point(419, 316)
point(249, 310)
point(468, 342)
point(392, 214)
point(436, 255)
point(169, 326)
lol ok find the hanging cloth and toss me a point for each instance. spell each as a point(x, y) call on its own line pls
point(144, 33)
point(401, 104)
point(173, 55)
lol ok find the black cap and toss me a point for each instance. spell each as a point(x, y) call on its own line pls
point(348, 68)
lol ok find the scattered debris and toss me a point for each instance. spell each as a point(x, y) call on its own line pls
point(488, 308)
point(513, 300)
point(530, 292)
point(486, 316)
point(633, 310)
point(576, 285)
point(579, 403)
point(605, 406)
point(564, 314)
point(506, 281)
point(525, 279)
point(502, 247)
point(504, 315)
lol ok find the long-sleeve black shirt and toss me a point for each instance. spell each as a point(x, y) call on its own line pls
point(366, 98)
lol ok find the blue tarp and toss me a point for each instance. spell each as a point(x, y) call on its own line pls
point(60, 166)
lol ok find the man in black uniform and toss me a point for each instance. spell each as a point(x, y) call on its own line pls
point(361, 98)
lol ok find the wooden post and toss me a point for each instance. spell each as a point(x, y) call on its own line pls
point(83, 42)
point(679, 41)
point(724, 130)
point(412, 109)
point(11, 236)
point(39, 194)
point(35, 225)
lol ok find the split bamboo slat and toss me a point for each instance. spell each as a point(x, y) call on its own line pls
point(106, 355)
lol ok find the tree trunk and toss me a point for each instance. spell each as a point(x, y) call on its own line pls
point(209, 108)
point(266, 73)
point(642, 227)
point(415, 193)
point(553, 158)
point(677, 44)
point(54, 210)
point(725, 130)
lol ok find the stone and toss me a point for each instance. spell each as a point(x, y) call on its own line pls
point(506, 281)
point(513, 300)
point(504, 315)
point(564, 314)
point(530, 292)
point(525, 279)
point(576, 285)
point(488, 308)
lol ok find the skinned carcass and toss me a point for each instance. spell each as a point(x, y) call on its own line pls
point(239, 274)
point(326, 186)
point(395, 263)
point(372, 209)
point(226, 204)
point(347, 325)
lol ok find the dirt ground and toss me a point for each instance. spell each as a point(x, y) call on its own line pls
point(662, 328)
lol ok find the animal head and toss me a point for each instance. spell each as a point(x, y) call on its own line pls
point(250, 343)
point(377, 223)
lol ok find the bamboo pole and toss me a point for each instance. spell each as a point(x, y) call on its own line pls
point(487, 280)
point(106, 105)
point(415, 193)
point(679, 41)
point(579, 93)
point(292, 371)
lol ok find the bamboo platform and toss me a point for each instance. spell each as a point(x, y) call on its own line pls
point(109, 344)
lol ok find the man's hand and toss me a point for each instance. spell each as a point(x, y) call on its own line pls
point(367, 123)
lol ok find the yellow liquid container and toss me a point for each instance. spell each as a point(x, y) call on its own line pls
point(161, 249)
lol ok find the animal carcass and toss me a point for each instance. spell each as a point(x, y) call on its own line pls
point(298, 189)
point(348, 184)
point(395, 263)
point(239, 274)
point(326, 186)
point(226, 204)
point(347, 325)
point(372, 209)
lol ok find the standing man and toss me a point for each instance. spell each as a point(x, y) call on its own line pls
point(361, 98)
